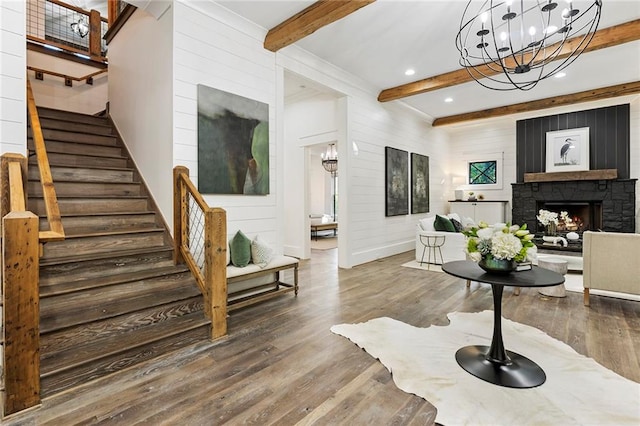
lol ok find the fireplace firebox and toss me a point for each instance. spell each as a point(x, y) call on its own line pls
point(582, 215)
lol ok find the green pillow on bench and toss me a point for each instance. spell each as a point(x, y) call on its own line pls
point(240, 246)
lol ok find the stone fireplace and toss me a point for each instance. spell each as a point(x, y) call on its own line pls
point(607, 205)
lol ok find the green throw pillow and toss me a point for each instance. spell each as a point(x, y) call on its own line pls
point(441, 223)
point(240, 246)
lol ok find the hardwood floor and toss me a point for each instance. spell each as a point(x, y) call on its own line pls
point(281, 365)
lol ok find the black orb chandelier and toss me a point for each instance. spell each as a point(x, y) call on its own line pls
point(508, 45)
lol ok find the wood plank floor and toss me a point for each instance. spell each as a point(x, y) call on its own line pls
point(281, 364)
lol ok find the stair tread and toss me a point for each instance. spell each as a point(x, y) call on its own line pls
point(63, 215)
point(101, 348)
point(90, 167)
point(117, 157)
point(125, 359)
point(98, 256)
point(90, 283)
point(93, 182)
point(59, 312)
point(115, 232)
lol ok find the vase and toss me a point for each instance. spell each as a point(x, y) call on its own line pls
point(497, 266)
point(550, 229)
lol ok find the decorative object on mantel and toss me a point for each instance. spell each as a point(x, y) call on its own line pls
point(568, 150)
point(472, 197)
point(499, 249)
point(507, 45)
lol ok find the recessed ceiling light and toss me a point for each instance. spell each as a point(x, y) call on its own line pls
point(448, 100)
point(410, 71)
point(560, 75)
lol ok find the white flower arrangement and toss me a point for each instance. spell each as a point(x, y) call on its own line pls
point(546, 217)
point(508, 242)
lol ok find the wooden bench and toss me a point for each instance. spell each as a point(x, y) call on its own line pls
point(253, 284)
point(323, 227)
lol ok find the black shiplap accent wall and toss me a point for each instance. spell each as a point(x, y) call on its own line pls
point(609, 139)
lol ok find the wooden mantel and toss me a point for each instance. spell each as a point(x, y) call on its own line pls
point(604, 174)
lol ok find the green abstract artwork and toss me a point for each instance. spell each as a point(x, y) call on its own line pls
point(483, 172)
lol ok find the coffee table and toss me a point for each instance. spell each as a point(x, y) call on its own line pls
point(495, 364)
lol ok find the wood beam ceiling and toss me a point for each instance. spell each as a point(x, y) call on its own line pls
point(586, 96)
point(606, 37)
point(314, 17)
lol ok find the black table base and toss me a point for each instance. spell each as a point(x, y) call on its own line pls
point(516, 371)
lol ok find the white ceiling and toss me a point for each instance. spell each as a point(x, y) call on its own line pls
point(380, 41)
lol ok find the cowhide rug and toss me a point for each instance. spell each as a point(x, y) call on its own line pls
point(578, 390)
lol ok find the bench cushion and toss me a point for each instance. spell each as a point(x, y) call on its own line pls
point(276, 262)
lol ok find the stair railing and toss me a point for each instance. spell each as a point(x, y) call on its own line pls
point(56, 231)
point(200, 241)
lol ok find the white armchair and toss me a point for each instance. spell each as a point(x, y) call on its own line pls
point(452, 249)
point(611, 262)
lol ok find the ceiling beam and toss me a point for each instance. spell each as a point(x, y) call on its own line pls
point(586, 96)
point(314, 17)
point(606, 37)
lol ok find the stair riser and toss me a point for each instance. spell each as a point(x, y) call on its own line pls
point(78, 189)
point(79, 271)
point(56, 159)
point(119, 328)
point(61, 135)
point(92, 129)
point(104, 244)
point(74, 225)
point(84, 175)
point(59, 312)
point(71, 117)
point(91, 206)
point(78, 148)
point(115, 363)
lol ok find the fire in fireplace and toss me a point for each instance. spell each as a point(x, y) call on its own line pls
point(582, 215)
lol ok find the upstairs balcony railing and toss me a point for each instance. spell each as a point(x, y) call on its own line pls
point(66, 27)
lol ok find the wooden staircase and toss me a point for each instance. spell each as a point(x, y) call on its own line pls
point(110, 295)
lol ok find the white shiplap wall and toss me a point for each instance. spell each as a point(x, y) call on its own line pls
point(216, 48)
point(372, 126)
point(140, 96)
point(13, 63)
point(499, 135)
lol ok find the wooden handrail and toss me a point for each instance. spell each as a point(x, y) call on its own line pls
point(65, 76)
point(56, 231)
point(212, 275)
point(74, 8)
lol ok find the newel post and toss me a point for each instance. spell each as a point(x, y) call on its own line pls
point(21, 311)
point(215, 246)
point(95, 34)
point(179, 212)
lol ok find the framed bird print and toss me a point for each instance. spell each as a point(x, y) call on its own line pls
point(568, 150)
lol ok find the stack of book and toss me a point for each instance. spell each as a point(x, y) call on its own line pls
point(523, 266)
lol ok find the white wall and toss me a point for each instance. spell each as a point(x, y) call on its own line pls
point(307, 123)
point(216, 48)
point(52, 93)
point(13, 63)
point(366, 234)
point(141, 99)
point(481, 137)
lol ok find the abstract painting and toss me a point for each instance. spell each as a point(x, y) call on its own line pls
point(419, 183)
point(396, 182)
point(233, 143)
